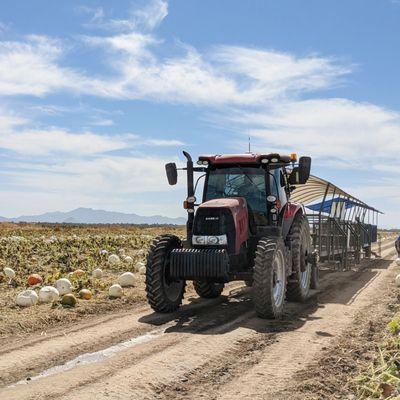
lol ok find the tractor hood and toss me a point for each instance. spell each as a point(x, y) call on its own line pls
point(233, 203)
point(211, 212)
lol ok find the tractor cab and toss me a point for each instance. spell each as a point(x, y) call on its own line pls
point(245, 228)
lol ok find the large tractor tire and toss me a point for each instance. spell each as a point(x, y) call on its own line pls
point(208, 290)
point(269, 283)
point(163, 294)
point(299, 283)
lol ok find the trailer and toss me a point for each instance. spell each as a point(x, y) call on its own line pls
point(343, 228)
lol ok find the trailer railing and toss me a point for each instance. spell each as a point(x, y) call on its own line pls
point(343, 228)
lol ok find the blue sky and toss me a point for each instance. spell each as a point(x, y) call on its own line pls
point(96, 96)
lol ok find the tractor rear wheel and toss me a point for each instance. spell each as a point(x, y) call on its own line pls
point(269, 283)
point(208, 290)
point(298, 286)
point(163, 293)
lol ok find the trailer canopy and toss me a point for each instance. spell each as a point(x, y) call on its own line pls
point(319, 189)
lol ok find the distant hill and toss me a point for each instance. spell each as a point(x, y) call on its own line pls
point(91, 216)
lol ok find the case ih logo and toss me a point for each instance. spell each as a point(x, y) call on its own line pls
point(212, 218)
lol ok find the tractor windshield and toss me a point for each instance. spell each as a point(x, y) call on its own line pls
point(249, 183)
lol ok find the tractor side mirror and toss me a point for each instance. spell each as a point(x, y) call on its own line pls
point(172, 173)
point(300, 174)
point(304, 169)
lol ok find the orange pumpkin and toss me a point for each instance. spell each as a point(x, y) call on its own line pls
point(34, 279)
point(78, 272)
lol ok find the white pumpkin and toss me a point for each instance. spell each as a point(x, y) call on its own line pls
point(121, 251)
point(64, 286)
point(97, 273)
point(126, 279)
point(142, 270)
point(103, 252)
point(128, 259)
point(398, 261)
point(115, 291)
point(113, 259)
point(48, 294)
point(9, 272)
point(27, 298)
point(139, 265)
point(397, 280)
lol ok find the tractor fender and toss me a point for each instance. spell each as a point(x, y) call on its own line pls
point(289, 213)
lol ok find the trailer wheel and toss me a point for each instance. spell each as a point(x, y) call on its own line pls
point(298, 286)
point(269, 283)
point(163, 294)
point(208, 290)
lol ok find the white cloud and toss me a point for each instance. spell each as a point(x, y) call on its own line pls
point(341, 131)
point(164, 142)
point(102, 122)
point(225, 75)
point(31, 67)
point(145, 15)
point(152, 14)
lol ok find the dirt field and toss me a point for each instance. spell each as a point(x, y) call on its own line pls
point(211, 349)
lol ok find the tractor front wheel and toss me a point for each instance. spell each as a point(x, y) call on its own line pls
point(269, 283)
point(208, 290)
point(163, 293)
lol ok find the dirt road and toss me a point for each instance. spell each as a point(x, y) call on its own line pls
point(213, 349)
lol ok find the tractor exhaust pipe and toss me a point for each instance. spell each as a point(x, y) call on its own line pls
point(190, 193)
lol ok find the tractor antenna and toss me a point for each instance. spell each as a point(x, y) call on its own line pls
point(249, 144)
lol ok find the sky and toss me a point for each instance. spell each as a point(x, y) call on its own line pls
point(96, 96)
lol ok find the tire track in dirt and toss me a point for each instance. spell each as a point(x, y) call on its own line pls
point(270, 369)
point(24, 359)
point(201, 340)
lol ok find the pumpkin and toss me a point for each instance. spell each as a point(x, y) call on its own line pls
point(97, 273)
point(48, 294)
point(27, 298)
point(142, 270)
point(126, 279)
point(128, 259)
point(113, 259)
point(34, 279)
point(78, 272)
point(398, 280)
point(9, 272)
point(103, 252)
point(121, 251)
point(68, 300)
point(398, 261)
point(139, 265)
point(63, 286)
point(85, 294)
point(115, 291)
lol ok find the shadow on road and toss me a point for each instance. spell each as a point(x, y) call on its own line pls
point(227, 313)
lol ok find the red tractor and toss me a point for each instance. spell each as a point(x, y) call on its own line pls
point(245, 228)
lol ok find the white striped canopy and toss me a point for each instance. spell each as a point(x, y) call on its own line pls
point(317, 188)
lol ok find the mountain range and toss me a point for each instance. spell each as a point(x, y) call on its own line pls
point(90, 216)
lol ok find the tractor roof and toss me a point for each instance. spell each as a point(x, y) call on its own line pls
point(247, 158)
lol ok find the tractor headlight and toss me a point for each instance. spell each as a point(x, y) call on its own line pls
point(271, 198)
point(199, 239)
point(213, 240)
point(220, 240)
